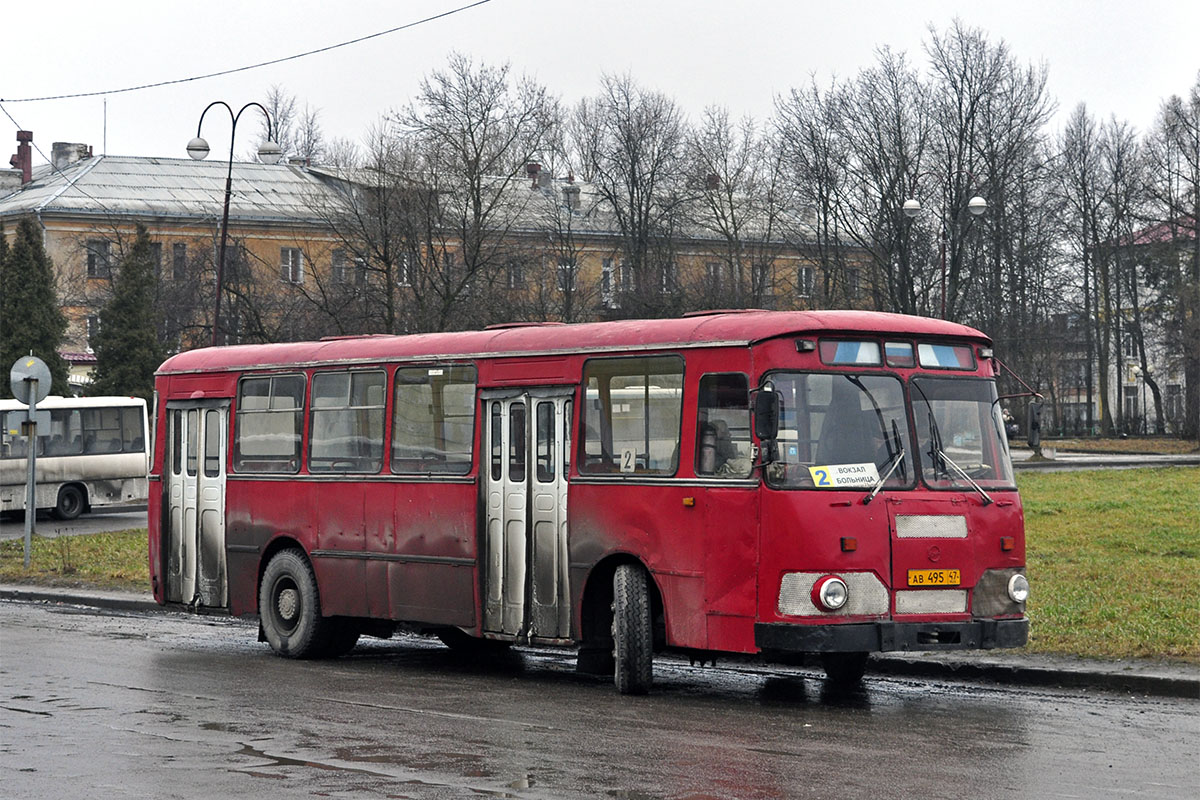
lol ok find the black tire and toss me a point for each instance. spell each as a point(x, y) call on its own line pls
point(341, 636)
point(633, 636)
point(290, 607)
point(462, 642)
point(71, 502)
point(844, 669)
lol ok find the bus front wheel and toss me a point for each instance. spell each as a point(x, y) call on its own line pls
point(289, 607)
point(633, 636)
point(70, 503)
point(844, 669)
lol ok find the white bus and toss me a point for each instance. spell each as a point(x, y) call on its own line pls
point(93, 454)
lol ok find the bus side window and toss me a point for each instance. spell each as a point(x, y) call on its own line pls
point(631, 413)
point(723, 446)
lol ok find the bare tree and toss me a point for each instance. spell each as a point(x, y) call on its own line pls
point(629, 143)
point(297, 129)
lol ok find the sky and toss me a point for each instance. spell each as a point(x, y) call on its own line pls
point(1119, 58)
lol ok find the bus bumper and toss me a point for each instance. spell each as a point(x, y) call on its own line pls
point(885, 636)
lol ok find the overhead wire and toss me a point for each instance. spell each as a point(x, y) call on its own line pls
point(249, 66)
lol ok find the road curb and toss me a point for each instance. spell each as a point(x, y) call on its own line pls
point(115, 601)
point(1111, 680)
point(1103, 675)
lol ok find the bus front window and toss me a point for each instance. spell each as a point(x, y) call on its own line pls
point(960, 429)
point(841, 431)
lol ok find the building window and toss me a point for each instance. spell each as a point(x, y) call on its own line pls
point(404, 270)
point(608, 296)
point(156, 258)
point(712, 273)
point(515, 274)
point(566, 274)
point(179, 261)
point(670, 278)
point(853, 283)
point(626, 276)
point(1129, 346)
point(93, 330)
point(804, 281)
point(347, 270)
point(291, 265)
point(99, 264)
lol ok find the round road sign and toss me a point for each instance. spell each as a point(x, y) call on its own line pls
point(25, 371)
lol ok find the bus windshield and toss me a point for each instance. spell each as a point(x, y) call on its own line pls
point(841, 431)
point(960, 433)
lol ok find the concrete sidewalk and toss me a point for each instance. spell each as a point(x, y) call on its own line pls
point(1136, 676)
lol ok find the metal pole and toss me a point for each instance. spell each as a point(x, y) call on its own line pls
point(31, 464)
point(221, 250)
point(942, 260)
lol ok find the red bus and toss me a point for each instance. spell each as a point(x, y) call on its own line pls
point(788, 484)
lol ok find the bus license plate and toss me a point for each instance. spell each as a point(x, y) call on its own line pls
point(934, 577)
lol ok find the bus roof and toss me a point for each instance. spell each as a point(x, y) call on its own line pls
point(724, 328)
point(54, 402)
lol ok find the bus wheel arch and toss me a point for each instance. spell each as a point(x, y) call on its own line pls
point(599, 608)
point(289, 605)
point(72, 501)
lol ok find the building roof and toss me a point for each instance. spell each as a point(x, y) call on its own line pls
point(130, 186)
point(736, 328)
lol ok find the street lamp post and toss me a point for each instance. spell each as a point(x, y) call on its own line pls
point(912, 207)
point(197, 148)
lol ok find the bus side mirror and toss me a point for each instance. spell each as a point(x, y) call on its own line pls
point(766, 414)
point(1035, 424)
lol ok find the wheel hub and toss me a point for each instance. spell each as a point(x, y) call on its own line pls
point(288, 604)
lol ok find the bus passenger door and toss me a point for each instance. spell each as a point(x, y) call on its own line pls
point(196, 569)
point(526, 588)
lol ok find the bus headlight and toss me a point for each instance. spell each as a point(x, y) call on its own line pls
point(1018, 588)
point(830, 593)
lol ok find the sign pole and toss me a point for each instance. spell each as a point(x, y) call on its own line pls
point(29, 380)
point(31, 476)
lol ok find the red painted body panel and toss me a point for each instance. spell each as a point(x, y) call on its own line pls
point(716, 553)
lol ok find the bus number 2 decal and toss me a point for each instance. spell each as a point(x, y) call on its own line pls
point(822, 477)
point(628, 460)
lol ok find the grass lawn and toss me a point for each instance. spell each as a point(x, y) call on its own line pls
point(1153, 445)
point(116, 560)
point(1113, 560)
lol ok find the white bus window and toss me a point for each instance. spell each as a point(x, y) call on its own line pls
point(632, 414)
point(269, 419)
point(346, 431)
point(723, 446)
point(433, 420)
point(212, 444)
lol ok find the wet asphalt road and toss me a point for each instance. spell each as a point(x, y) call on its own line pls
point(12, 526)
point(114, 705)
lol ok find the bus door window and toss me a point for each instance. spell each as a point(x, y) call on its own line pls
point(193, 440)
point(568, 420)
point(632, 415)
point(546, 461)
point(176, 442)
point(516, 443)
point(723, 446)
point(497, 444)
point(212, 443)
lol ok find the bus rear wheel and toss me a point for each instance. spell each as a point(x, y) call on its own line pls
point(71, 502)
point(290, 608)
point(633, 636)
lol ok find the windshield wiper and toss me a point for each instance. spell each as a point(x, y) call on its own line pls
point(895, 461)
point(986, 498)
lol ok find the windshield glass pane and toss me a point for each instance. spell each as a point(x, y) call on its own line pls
point(855, 422)
point(959, 423)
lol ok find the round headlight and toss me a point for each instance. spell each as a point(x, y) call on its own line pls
point(830, 593)
point(1018, 588)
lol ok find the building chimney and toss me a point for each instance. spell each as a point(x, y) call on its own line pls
point(23, 159)
point(571, 196)
point(532, 168)
point(712, 182)
point(63, 154)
